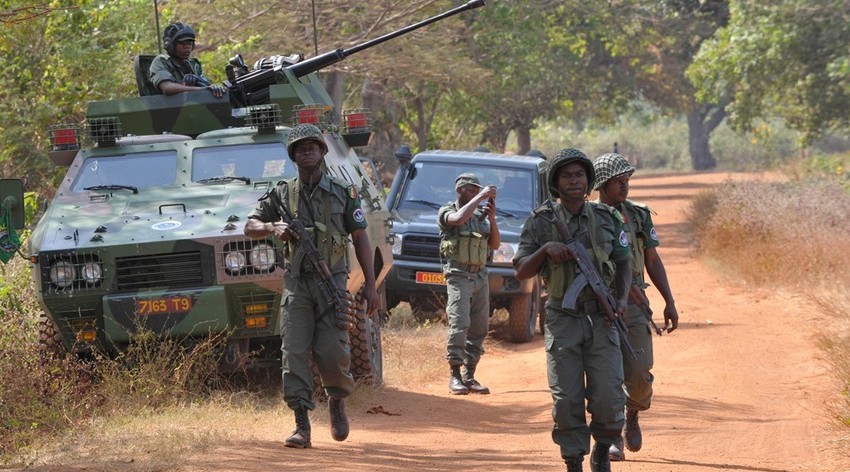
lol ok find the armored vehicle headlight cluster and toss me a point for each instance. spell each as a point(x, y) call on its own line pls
point(234, 261)
point(63, 273)
point(92, 272)
point(263, 256)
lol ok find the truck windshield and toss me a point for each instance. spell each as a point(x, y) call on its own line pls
point(431, 185)
point(142, 170)
point(265, 161)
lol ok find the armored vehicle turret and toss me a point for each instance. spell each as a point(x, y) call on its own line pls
point(145, 230)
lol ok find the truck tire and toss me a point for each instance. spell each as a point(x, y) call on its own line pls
point(522, 317)
point(50, 345)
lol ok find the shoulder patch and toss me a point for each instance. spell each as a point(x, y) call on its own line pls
point(653, 234)
point(352, 192)
point(624, 240)
point(358, 215)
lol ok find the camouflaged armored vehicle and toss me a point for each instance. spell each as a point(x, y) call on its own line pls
point(145, 230)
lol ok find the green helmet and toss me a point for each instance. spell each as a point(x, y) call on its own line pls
point(562, 158)
point(608, 166)
point(304, 132)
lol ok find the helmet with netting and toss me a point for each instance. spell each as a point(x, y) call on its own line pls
point(609, 166)
point(305, 132)
point(562, 158)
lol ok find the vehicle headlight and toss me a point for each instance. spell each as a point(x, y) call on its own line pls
point(263, 256)
point(92, 272)
point(396, 244)
point(505, 253)
point(62, 273)
point(234, 261)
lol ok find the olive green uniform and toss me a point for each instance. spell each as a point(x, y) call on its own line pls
point(465, 250)
point(165, 67)
point(330, 210)
point(636, 372)
point(582, 350)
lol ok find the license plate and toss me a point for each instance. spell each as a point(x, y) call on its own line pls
point(164, 305)
point(435, 278)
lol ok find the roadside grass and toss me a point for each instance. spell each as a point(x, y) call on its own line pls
point(788, 235)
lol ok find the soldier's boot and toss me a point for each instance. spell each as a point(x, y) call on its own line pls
point(574, 463)
point(456, 386)
point(634, 439)
point(301, 436)
point(615, 452)
point(472, 384)
point(599, 458)
point(339, 421)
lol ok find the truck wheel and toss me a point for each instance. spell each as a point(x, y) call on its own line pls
point(366, 350)
point(50, 345)
point(522, 318)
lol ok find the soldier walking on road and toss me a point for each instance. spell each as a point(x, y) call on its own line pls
point(582, 346)
point(466, 241)
point(613, 172)
point(330, 209)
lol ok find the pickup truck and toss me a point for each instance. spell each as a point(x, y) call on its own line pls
point(424, 183)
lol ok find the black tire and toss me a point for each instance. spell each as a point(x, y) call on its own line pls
point(50, 347)
point(366, 350)
point(522, 315)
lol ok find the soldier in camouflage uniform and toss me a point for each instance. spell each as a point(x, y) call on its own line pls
point(582, 346)
point(466, 241)
point(612, 181)
point(330, 209)
point(176, 71)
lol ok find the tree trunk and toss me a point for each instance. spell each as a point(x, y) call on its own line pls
point(496, 137)
point(335, 84)
point(386, 136)
point(702, 120)
point(523, 140)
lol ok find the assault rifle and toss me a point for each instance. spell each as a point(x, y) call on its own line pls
point(588, 275)
point(341, 299)
point(637, 297)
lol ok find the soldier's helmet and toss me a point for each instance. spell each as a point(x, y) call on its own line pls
point(609, 166)
point(305, 132)
point(174, 33)
point(562, 158)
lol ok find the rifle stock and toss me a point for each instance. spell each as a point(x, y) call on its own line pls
point(590, 276)
point(339, 297)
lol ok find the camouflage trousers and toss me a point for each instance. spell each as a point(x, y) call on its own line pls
point(583, 362)
point(307, 328)
point(468, 314)
point(636, 372)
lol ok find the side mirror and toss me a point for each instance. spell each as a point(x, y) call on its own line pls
point(12, 201)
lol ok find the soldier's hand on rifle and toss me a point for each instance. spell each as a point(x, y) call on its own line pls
point(671, 317)
point(191, 80)
point(282, 231)
point(558, 252)
point(622, 307)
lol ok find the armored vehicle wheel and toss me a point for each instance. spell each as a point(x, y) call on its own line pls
point(522, 318)
point(50, 345)
point(366, 350)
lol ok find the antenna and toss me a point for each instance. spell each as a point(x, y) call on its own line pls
point(315, 29)
point(158, 35)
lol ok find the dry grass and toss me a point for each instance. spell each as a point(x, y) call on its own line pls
point(792, 235)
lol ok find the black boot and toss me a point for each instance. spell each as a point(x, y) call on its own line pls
point(472, 384)
point(634, 439)
point(615, 452)
point(301, 436)
point(456, 386)
point(339, 422)
point(599, 458)
point(574, 463)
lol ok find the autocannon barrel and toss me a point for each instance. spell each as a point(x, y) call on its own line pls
point(332, 57)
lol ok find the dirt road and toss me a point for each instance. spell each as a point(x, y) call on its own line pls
point(739, 387)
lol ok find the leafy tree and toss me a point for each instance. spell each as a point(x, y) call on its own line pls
point(787, 57)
